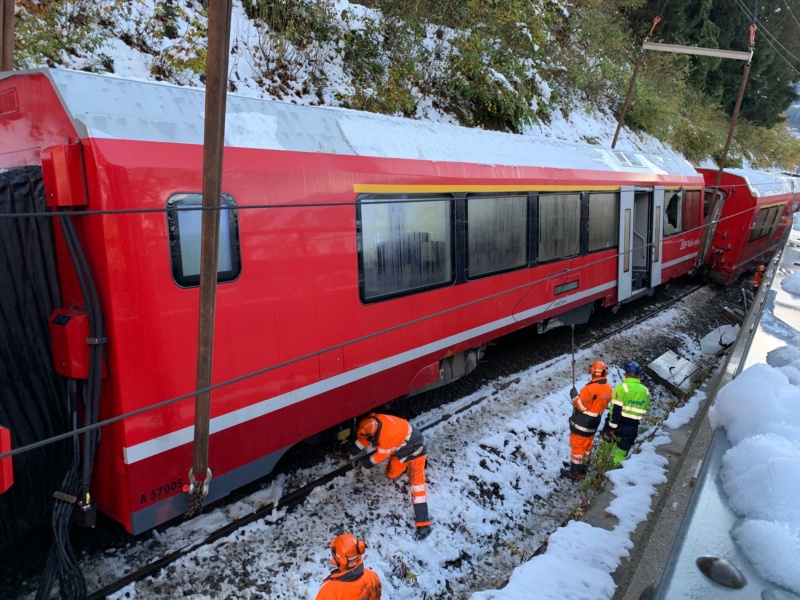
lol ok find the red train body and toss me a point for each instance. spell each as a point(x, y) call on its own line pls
point(354, 270)
point(756, 214)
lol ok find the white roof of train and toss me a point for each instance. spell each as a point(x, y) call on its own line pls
point(103, 106)
point(764, 183)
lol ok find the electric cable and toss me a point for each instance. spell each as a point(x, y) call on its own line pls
point(314, 354)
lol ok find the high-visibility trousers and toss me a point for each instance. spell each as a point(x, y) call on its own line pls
point(580, 447)
point(416, 478)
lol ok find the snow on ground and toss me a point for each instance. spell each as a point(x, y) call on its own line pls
point(494, 495)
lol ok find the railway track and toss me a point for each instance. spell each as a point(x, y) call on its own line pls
point(290, 500)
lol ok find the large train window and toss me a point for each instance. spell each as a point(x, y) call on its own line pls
point(692, 210)
point(497, 233)
point(673, 212)
point(559, 226)
point(766, 219)
point(603, 220)
point(405, 244)
point(184, 226)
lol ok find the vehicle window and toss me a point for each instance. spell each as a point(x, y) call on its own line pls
point(405, 244)
point(758, 226)
point(184, 226)
point(559, 226)
point(772, 220)
point(497, 233)
point(673, 212)
point(603, 220)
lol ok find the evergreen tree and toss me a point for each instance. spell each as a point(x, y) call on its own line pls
point(725, 24)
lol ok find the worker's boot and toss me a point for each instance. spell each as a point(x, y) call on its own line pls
point(423, 532)
point(576, 472)
point(619, 456)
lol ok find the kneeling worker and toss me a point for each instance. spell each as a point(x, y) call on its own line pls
point(399, 441)
point(351, 580)
point(588, 409)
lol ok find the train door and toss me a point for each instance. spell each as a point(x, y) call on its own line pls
point(634, 271)
point(657, 237)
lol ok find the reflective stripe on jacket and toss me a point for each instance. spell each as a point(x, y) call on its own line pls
point(589, 407)
point(629, 402)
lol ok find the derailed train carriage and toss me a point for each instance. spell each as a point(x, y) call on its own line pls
point(756, 214)
point(362, 258)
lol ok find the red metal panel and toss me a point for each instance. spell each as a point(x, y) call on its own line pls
point(63, 176)
point(31, 117)
point(6, 468)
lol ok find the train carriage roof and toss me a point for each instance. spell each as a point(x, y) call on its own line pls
point(103, 106)
point(764, 183)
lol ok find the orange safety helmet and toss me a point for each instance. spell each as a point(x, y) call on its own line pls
point(368, 427)
point(598, 369)
point(347, 552)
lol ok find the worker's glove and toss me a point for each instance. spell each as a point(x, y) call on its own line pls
point(351, 448)
point(609, 433)
point(573, 393)
point(366, 461)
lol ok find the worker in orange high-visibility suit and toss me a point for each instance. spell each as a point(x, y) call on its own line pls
point(758, 277)
point(351, 580)
point(402, 444)
point(588, 408)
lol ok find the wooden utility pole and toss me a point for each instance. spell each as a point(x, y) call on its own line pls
point(219, 27)
point(710, 226)
point(6, 35)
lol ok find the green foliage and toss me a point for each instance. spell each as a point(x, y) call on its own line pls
point(490, 79)
point(766, 148)
point(700, 129)
point(364, 53)
point(601, 461)
point(484, 86)
point(596, 50)
point(659, 95)
point(47, 33)
point(293, 36)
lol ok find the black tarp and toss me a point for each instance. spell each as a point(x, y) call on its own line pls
point(32, 395)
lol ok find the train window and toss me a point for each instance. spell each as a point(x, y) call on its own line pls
point(772, 220)
point(759, 230)
point(603, 220)
point(692, 217)
point(405, 244)
point(673, 213)
point(559, 226)
point(497, 233)
point(184, 226)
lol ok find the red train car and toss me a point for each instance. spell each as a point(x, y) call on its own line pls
point(362, 258)
point(756, 212)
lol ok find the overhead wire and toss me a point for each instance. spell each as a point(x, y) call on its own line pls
point(768, 36)
point(99, 424)
point(791, 13)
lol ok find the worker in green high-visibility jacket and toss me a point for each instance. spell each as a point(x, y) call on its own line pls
point(629, 403)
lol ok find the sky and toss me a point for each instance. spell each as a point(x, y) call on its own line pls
point(494, 491)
